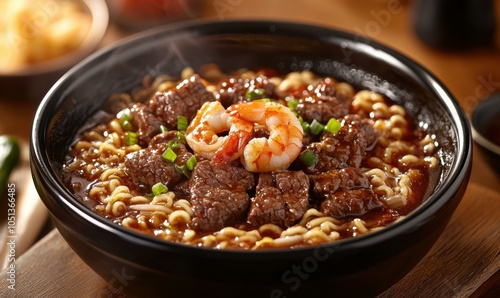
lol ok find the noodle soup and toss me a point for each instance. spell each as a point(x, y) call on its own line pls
point(252, 159)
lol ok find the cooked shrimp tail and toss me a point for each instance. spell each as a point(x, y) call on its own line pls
point(202, 132)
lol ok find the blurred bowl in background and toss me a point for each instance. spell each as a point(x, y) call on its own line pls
point(485, 122)
point(41, 40)
point(143, 14)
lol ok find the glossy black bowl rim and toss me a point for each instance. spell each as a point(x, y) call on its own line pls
point(450, 185)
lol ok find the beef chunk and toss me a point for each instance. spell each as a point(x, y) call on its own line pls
point(321, 108)
point(344, 149)
point(355, 202)
point(163, 138)
point(146, 122)
point(344, 192)
point(146, 167)
point(281, 198)
point(327, 183)
point(185, 100)
point(322, 103)
point(219, 195)
point(364, 129)
point(233, 90)
point(182, 191)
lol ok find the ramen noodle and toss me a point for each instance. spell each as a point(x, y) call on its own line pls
point(252, 159)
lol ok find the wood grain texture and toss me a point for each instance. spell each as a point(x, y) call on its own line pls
point(464, 257)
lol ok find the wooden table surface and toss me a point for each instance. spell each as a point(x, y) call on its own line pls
point(465, 260)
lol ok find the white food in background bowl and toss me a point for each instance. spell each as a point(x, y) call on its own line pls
point(32, 32)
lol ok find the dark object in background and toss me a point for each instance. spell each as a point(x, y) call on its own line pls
point(137, 15)
point(454, 24)
point(485, 121)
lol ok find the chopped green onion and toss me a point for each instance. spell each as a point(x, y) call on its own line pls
point(305, 126)
point(333, 126)
point(254, 94)
point(183, 170)
point(169, 155)
point(126, 125)
point(159, 188)
point(173, 144)
point(316, 127)
point(182, 123)
point(181, 137)
point(163, 128)
point(125, 119)
point(309, 158)
point(130, 138)
point(262, 100)
point(191, 163)
point(292, 104)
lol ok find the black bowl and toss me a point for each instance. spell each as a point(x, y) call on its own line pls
point(142, 265)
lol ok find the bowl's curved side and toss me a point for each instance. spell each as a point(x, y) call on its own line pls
point(377, 260)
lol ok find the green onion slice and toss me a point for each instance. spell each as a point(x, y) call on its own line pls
point(125, 119)
point(305, 125)
point(181, 137)
point(316, 127)
point(159, 188)
point(333, 126)
point(263, 100)
point(191, 163)
point(183, 170)
point(173, 144)
point(292, 104)
point(309, 158)
point(130, 138)
point(169, 155)
point(163, 128)
point(254, 94)
point(182, 123)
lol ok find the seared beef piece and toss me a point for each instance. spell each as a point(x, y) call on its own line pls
point(219, 195)
point(321, 108)
point(281, 198)
point(233, 90)
point(365, 128)
point(146, 122)
point(327, 183)
point(344, 192)
point(181, 190)
point(146, 167)
point(344, 149)
point(185, 100)
point(163, 138)
point(354, 202)
point(322, 103)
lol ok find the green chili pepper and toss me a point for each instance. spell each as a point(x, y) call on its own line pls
point(9, 157)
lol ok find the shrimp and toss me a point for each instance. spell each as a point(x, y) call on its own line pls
point(285, 136)
point(202, 134)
